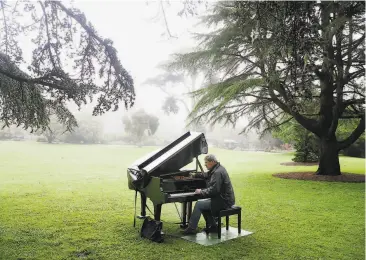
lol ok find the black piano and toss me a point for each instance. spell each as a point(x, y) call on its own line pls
point(159, 175)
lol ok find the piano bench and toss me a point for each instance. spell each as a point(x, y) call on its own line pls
point(234, 210)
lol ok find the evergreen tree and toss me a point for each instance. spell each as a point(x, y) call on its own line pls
point(276, 59)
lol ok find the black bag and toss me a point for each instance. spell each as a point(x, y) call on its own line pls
point(151, 229)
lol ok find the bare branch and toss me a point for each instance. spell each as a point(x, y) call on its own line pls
point(165, 20)
point(48, 36)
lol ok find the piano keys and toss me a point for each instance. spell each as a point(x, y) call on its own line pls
point(159, 175)
point(181, 195)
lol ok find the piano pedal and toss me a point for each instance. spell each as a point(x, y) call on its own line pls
point(141, 217)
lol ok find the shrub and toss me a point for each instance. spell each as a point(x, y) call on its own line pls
point(307, 148)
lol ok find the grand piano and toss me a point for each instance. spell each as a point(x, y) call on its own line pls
point(159, 176)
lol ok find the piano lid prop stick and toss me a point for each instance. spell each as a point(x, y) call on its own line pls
point(199, 164)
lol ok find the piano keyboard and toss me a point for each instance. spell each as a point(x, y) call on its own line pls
point(185, 194)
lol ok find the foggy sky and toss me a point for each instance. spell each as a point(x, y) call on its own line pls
point(139, 34)
point(138, 38)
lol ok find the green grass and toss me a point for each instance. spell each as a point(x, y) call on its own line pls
point(72, 202)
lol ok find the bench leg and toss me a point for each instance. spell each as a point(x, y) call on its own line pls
point(219, 228)
point(239, 222)
point(227, 222)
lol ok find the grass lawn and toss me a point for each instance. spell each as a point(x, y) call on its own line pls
point(72, 202)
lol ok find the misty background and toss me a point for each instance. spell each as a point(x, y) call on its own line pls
point(141, 37)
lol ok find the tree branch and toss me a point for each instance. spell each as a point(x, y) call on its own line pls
point(278, 125)
point(120, 71)
point(309, 124)
point(165, 20)
point(33, 80)
point(354, 75)
point(48, 36)
point(352, 116)
point(185, 105)
point(349, 51)
point(5, 28)
point(354, 135)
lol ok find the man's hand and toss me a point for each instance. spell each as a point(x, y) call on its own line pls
point(197, 191)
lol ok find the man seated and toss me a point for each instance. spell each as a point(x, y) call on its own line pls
point(218, 195)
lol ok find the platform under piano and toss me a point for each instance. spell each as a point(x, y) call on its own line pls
point(211, 239)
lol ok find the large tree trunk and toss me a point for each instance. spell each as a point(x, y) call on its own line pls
point(329, 160)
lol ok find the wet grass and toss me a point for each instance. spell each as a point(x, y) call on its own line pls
point(72, 202)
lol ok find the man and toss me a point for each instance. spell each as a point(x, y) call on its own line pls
point(219, 195)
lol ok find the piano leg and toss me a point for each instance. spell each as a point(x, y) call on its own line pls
point(157, 211)
point(184, 215)
point(143, 206)
point(189, 210)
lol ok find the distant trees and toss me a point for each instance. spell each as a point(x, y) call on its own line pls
point(53, 131)
point(176, 85)
point(139, 125)
point(89, 131)
point(12, 133)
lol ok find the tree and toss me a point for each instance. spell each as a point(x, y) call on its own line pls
point(53, 130)
point(169, 82)
point(305, 143)
point(140, 124)
point(89, 131)
point(276, 59)
point(12, 132)
point(166, 82)
point(30, 91)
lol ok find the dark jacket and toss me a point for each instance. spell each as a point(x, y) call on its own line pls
point(219, 189)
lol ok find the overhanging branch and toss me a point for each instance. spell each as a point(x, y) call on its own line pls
point(354, 135)
point(33, 80)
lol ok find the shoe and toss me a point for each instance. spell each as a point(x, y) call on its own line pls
point(189, 231)
point(210, 229)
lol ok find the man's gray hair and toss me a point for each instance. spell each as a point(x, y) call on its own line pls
point(211, 158)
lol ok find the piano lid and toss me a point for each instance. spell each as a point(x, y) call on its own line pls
point(174, 156)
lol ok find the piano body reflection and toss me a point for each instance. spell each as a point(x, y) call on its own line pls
point(158, 176)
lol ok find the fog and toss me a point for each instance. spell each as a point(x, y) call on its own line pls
point(138, 31)
point(140, 35)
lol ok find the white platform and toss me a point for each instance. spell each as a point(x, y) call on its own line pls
point(211, 238)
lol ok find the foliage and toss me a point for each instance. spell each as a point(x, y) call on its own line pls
point(11, 132)
point(170, 105)
point(89, 131)
point(169, 82)
point(68, 59)
point(357, 149)
point(307, 148)
point(53, 131)
point(140, 124)
point(305, 143)
point(277, 59)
